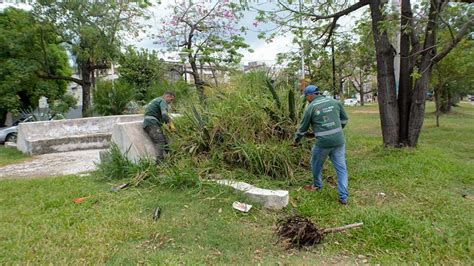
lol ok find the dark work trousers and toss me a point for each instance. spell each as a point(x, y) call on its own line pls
point(159, 139)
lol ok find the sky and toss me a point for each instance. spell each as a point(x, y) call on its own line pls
point(263, 51)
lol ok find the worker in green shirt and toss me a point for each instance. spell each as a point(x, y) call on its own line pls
point(156, 114)
point(327, 118)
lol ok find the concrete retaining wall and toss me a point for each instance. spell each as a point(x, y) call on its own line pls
point(133, 141)
point(68, 135)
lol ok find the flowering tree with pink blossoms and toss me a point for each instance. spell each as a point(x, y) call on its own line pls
point(205, 32)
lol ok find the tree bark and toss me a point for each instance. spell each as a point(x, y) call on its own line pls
point(86, 90)
point(362, 93)
point(445, 104)
point(417, 110)
point(197, 78)
point(405, 80)
point(214, 74)
point(386, 96)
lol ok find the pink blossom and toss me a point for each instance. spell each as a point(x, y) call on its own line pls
point(228, 14)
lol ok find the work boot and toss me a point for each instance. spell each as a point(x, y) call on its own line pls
point(311, 188)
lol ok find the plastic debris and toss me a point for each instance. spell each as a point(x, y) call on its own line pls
point(121, 186)
point(243, 207)
point(156, 213)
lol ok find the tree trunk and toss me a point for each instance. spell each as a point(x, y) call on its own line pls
point(86, 90)
point(437, 98)
point(386, 96)
point(361, 93)
point(417, 110)
point(197, 78)
point(445, 106)
point(214, 75)
point(405, 80)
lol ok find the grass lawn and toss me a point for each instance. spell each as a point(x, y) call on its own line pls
point(10, 155)
point(422, 216)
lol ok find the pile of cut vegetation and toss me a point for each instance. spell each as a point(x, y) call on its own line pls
point(249, 124)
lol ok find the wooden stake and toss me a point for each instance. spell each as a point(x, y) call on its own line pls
point(342, 228)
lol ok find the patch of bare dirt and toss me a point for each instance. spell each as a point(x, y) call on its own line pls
point(53, 164)
point(365, 111)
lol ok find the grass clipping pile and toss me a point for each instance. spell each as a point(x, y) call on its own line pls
point(297, 232)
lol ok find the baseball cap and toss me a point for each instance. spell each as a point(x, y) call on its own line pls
point(311, 89)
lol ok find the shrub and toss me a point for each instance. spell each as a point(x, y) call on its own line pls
point(180, 88)
point(115, 165)
point(239, 127)
point(111, 98)
point(243, 127)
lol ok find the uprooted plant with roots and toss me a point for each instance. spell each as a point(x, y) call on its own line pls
point(297, 232)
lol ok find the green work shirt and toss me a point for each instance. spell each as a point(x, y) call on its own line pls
point(327, 117)
point(156, 112)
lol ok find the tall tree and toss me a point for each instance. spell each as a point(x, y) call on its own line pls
point(141, 69)
point(89, 30)
point(402, 109)
point(204, 32)
point(452, 77)
point(25, 46)
point(320, 68)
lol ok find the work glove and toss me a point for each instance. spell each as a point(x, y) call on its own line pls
point(309, 135)
point(171, 127)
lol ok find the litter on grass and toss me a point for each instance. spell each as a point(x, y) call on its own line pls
point(243, 207)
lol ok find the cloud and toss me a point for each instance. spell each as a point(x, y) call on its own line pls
point(266, 52)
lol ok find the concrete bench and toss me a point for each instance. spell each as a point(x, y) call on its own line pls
point(133, 141)
point(68, 135)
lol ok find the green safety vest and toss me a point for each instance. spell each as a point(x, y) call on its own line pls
point(327, 118)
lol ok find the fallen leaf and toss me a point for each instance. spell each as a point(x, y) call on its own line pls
point(79, 200)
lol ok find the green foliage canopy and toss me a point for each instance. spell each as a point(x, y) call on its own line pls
point(27, 50)
point(141, 69)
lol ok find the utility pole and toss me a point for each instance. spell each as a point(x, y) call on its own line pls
point(396, 44)
point(333, 70)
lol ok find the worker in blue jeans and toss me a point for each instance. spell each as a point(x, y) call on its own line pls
point(327, 118)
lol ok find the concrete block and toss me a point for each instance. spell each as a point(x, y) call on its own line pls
point(10, 145)
point(271, 199)
point(69, 134)
point(133, 141)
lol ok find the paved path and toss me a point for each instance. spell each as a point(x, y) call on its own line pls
point(53, 164)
